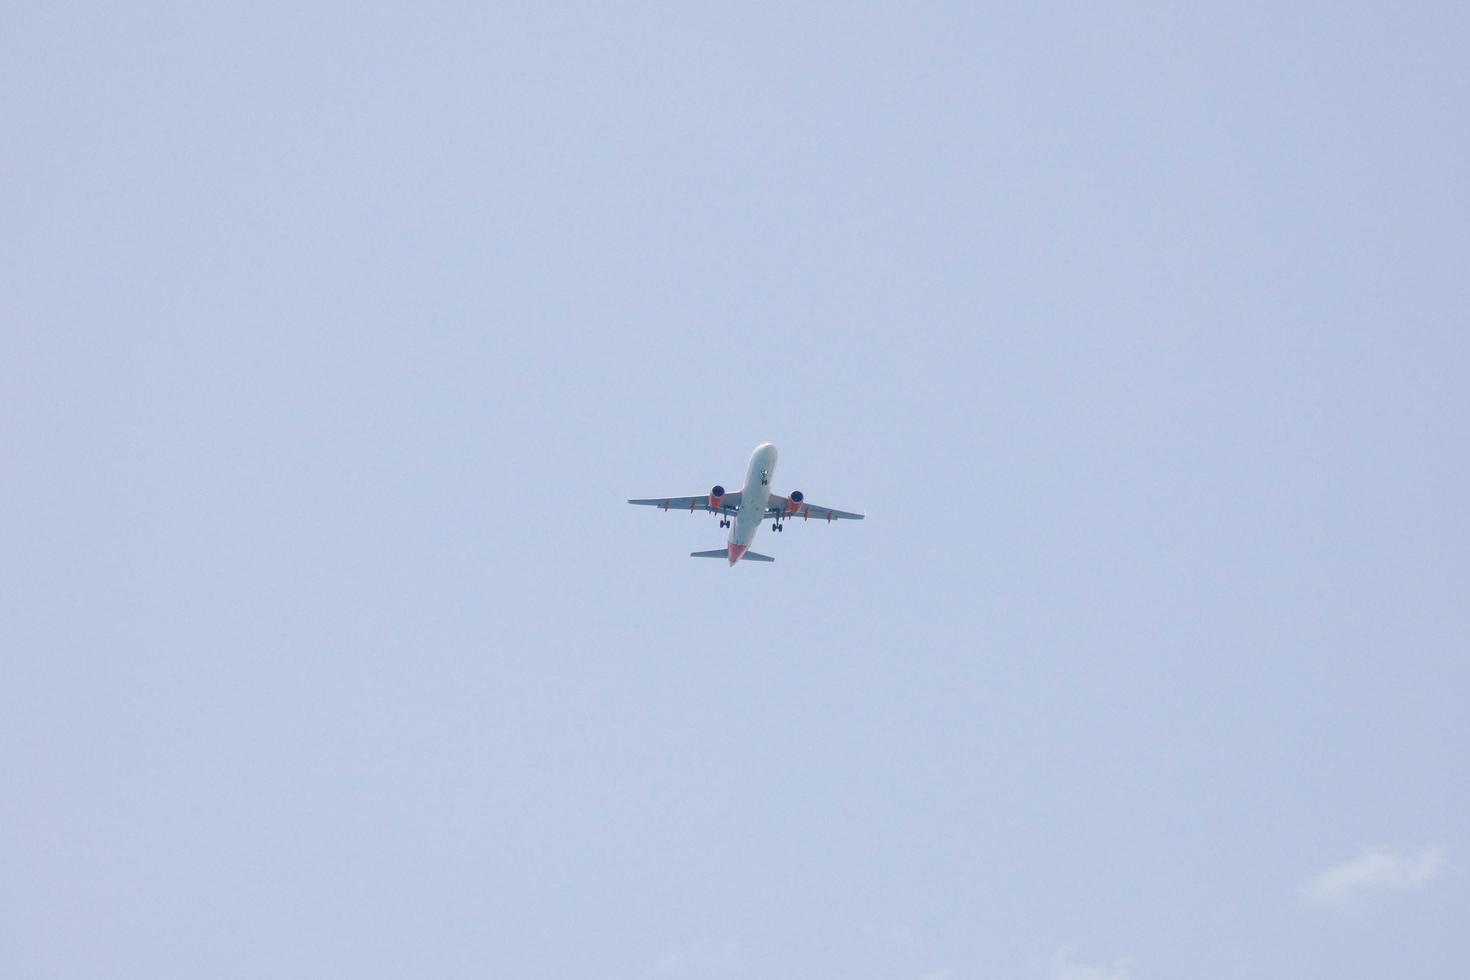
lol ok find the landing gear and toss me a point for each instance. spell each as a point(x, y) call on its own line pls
point(724, 522)
point(778, 526)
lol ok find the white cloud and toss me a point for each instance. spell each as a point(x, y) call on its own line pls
point(1375, 870)
point(1065, 966)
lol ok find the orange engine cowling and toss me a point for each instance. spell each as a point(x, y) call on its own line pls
point(793, 502)
point(716, 497)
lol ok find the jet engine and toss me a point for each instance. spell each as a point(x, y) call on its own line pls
point(716, 496)
point(793, 502)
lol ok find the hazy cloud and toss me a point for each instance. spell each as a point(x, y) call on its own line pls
point(1375, 870)
point(1066, 966)
point(693, 961)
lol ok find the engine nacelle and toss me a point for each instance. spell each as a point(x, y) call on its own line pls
point(716, 496)
point(793, 502)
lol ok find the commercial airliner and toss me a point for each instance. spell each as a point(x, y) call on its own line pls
point(743, 510)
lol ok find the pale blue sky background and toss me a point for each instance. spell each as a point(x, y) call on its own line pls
point(333, 337)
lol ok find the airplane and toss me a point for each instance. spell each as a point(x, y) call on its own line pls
point(743, 510)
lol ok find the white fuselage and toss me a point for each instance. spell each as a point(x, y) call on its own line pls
point(754, 498)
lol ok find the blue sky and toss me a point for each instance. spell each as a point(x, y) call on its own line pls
point(333, 338)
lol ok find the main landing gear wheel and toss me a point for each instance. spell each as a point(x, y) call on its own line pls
point(724, 522)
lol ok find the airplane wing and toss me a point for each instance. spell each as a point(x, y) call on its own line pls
point(783, 506)
point(729, 504)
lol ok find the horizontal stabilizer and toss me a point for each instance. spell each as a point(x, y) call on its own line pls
point(724, 553)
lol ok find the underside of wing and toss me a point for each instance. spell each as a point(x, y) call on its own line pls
point(727, 504)
point(786, 508)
